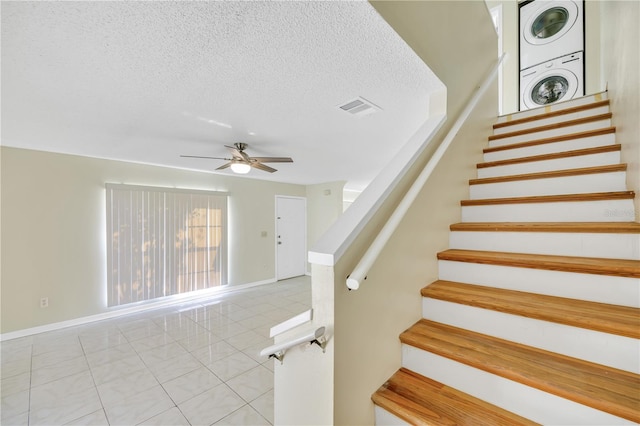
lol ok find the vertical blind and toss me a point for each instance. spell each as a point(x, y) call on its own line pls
point(163, 241)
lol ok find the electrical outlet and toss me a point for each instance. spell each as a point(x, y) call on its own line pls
point(44, 302)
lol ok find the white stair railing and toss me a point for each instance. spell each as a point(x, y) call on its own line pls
point(361, 270)
point(312, 336)
point(315, 336)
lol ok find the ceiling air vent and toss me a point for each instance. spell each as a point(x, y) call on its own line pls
point(359, 107)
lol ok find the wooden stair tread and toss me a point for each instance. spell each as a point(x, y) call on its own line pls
point(586, 265)
point(552, 174)
point(553, 126)
point(593, 196)
point(604, 388)
point(613, 319)
point(551, 156)
point(553, 139)
point(551, 114)
point(573, 227)
point(423, 401)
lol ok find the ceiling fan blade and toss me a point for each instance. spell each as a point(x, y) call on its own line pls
point(263, 167)
point(200, 156)
point(224, 166)
point(238, 153)
point(273, 159)
point(235, 151)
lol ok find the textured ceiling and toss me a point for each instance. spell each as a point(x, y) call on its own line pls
point(148, 81)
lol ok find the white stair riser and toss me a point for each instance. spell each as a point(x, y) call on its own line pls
point(561, 131)
point(555, 107)
point(383, 417)
point(576, 184)
point(525, 401)
point(614, 290)
point(608, 246)
point(602, 348)
point(577, 211)
point(552, 120)
point(577, 162)
point(548, 148)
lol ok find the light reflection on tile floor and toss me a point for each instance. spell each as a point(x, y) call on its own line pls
point(193, 364)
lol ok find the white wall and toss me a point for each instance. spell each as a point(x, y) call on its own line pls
point(294, 404)
point(304, 382)
point(593, 79)
point(53, 230)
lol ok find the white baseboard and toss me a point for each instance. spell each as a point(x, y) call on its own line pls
point(139, 307)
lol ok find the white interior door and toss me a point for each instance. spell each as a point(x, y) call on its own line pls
point(291, 237)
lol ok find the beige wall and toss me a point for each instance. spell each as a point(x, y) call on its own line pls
point(621, 72)
point(455, 39)
point(53, 230)
point(324, 203)
point(510, 71)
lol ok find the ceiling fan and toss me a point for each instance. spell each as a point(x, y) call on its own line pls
point(241, 162)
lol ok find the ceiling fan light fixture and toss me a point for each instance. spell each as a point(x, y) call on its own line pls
point(240, 168)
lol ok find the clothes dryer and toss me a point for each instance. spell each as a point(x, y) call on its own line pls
point(553, 81)
point(550, 29)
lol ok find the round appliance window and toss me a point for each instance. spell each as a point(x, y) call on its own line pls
point(549, 90)
point(549, 23)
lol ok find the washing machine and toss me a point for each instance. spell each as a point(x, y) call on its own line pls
point(550, 29)
point(553, 81)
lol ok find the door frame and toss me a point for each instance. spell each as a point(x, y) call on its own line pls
point(275, 242)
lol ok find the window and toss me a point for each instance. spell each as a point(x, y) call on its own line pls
point(162, 242)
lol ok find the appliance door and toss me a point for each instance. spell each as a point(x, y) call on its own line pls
point(549, 22)
point(549, 30)
point(550, 87)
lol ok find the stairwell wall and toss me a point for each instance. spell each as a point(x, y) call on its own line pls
point(621, 72)
point(458, 42)
point(368, 321)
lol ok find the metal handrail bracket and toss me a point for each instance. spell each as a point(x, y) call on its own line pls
point(313, 337)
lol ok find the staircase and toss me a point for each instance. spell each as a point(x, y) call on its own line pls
point(535, 318)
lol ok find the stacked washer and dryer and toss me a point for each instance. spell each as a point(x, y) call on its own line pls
point(551, 51)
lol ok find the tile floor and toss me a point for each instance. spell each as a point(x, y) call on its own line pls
point(193, 364)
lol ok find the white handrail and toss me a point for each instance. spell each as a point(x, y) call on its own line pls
point(362, 268)
point(313, 336)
